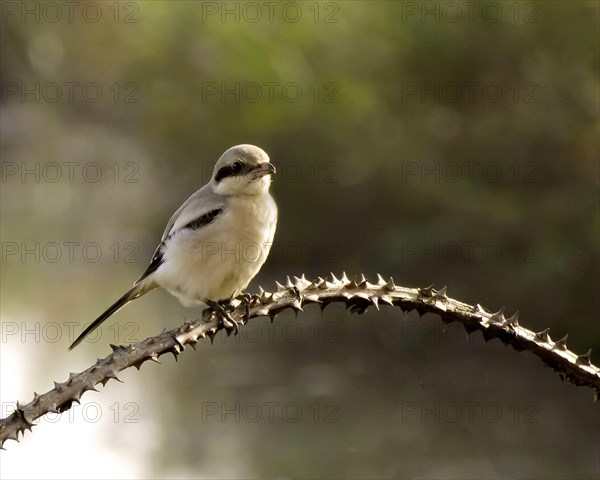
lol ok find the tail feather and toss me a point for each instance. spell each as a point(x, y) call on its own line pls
point(132, 294)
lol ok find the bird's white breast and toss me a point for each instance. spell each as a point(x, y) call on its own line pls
point(217, 262)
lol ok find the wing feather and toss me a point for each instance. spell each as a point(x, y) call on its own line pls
point(201, 209)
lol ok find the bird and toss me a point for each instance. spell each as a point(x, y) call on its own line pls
point(216, 242)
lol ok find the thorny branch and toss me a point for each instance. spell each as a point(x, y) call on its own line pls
point(357, 294)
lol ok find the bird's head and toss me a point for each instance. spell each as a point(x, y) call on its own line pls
point(242, 170)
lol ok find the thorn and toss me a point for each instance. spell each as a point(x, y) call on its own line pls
point(585, 358)
point(28, 424)
point(117, 348)
point(261, 292)
point(280, 287)
point(387, 300)
point(543, 336)
point(380, 281)
point(427, 291)
point(321, 283)
point(139, 363)
point(390, 286)
point(441, 294)
point(480, 309)
point(499, 317)
point(36, 398)
point(297, 305)
point(561, 344)
point(362, 281)
point(513, 321)
point(375, 301)
point(427, 295)
point(351, 283)
point(288, 282)
point(110, 374)
point(175, 351)
point(59, 387)
point(334, 279)
point(77, 395)
point(113, 374)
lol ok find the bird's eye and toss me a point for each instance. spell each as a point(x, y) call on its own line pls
point(236, 167)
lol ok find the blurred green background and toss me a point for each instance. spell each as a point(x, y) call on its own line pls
point(453, 143)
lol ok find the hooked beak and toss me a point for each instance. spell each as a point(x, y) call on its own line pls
point(264, 169)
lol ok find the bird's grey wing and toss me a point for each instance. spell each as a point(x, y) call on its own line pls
point(194, 208)
point(197, 211)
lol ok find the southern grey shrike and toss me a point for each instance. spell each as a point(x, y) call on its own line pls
point(217, 241)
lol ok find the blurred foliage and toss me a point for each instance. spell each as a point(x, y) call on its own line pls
point(349, 199)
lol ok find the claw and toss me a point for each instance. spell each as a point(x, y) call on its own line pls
point(246, 303)
point(228, 323)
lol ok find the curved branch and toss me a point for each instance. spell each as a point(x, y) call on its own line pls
point(357, 294)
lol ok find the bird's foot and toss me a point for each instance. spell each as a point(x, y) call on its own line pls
point(225, 319)
point(245, 302)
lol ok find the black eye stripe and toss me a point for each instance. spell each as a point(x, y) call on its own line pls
point(229, 171)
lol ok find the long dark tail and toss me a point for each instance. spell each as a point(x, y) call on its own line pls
point(135, 292)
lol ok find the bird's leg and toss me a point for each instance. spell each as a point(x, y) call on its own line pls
point(224, 318)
